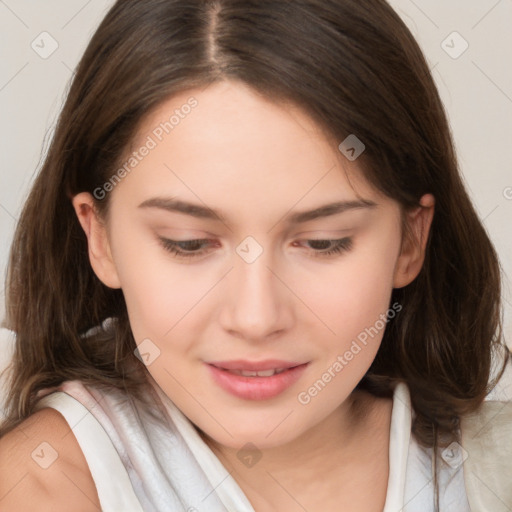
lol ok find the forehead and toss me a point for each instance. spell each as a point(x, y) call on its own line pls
point(227, 141)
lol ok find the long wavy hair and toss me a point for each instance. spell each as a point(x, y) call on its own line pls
point(354, 67)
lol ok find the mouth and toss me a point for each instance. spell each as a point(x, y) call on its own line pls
point(255, 366)
point(261, 373)
point(256, 380)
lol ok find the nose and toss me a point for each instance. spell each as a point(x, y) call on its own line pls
point(257, 304)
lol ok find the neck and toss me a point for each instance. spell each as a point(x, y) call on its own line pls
point(331, 451)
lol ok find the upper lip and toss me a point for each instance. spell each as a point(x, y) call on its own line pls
point(267, 364)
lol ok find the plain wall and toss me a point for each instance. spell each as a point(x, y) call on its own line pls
point(476, 88)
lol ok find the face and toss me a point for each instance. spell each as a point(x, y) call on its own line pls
point(247, 277)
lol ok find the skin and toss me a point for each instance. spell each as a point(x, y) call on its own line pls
point(257, 162)
point(27, 484)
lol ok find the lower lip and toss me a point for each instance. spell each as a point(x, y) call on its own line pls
point(256, 388)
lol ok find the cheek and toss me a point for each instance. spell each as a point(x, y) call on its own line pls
point(352, 302)
point(352, 294)
point(158, 293)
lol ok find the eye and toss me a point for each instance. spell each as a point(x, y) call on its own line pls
point(323, 248)
point(185, 248)
point(195, 248)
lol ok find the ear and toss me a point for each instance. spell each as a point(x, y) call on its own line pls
point(100, 254)
point(412, 253)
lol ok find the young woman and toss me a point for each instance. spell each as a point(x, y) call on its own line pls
point(249, 278)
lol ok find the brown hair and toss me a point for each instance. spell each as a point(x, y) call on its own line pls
point(354, 67)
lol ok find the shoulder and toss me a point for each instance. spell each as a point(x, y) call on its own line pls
point(42, 467)
point(488, 430)
point(485, 436)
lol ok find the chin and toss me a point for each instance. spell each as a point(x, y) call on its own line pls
point(243, 438)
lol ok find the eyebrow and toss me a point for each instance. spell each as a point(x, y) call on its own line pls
point(203, 212)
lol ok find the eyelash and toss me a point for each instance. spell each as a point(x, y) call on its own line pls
point(340, 246)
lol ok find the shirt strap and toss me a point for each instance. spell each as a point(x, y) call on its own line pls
point(113, 484)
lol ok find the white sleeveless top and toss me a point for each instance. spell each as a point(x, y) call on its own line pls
point(158, 463)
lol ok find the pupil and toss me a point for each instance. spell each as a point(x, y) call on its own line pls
point(320, 244)
point(191, 245)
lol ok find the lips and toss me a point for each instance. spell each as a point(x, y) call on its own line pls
point(260, 373)
point(256, 380)
point(255, 366)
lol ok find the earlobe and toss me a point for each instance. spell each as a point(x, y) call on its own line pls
point(412, 254)
point(100, 254)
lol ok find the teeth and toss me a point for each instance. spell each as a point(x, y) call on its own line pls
point(261, 373)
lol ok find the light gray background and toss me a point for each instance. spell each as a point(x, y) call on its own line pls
point(476, 88)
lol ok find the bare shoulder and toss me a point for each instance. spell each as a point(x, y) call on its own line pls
point(43, 468)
